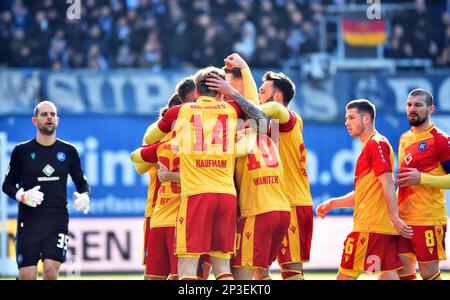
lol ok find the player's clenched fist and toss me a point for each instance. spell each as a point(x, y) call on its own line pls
point(235, 61)
point(31, 197)
point(323, 209)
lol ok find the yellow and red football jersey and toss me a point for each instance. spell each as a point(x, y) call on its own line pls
point(428, 152)
point(260, 176)
point(168, 195)
point(293, 154)
point(206, 134)
point(371, 211)
point(152, 191)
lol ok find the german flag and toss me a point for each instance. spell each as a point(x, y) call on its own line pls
point(364, 33)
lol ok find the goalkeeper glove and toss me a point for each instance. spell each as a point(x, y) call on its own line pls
point(31, 197)
point(81, 202)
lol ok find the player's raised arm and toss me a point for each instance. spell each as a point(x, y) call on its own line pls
point(250, 89)
point(218, 84)
point(275, 111)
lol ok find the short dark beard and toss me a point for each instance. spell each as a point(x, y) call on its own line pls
point(417, 122)
point(44, 131)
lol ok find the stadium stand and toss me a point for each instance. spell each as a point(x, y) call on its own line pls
point(148, 33)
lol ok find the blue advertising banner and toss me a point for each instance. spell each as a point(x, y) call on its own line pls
point(105, 142)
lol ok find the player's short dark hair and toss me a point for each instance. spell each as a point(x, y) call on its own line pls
point(174, 100)
point(236, 72)
point(429, 100)
point(185, 87)
point(200, 80)
point(282, 83)
point(363, 106)
point(36, 108)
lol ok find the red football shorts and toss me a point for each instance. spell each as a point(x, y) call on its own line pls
point(162, 261)
point(206, 223)
point(427, 244)
point(370, 252)
point(296, 246)
point(259, 239)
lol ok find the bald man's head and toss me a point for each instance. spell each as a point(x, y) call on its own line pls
point(44, 103)
point(46, 117)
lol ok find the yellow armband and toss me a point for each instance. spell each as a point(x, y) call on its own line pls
point(153, 134)
point(275, 111)
point(440, 182)
point(250, 89)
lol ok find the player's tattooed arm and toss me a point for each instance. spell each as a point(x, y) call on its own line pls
point(218, 84)
point(250, 110)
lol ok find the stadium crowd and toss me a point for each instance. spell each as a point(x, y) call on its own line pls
point(155, 33)
point(422, 33)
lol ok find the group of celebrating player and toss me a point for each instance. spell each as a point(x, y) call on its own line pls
point(223, 160)
point(229, 188)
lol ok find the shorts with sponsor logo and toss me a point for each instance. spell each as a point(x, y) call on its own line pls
point(370, 252)
point(146, 246)
point(32, 246)
point(162, 261)
point(259, 239)
point(206, 223)
point(427, 243)
point(296, 245)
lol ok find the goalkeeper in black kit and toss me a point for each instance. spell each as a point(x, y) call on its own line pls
point(37, 178)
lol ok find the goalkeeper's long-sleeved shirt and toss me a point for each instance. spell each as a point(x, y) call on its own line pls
point(33, 164)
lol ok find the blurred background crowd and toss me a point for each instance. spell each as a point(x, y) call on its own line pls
point(157, 34)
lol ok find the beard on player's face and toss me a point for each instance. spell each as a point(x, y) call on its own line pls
point(47, 128)
point(47, 131)
point(414, 119)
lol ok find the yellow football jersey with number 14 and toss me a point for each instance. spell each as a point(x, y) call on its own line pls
point(206, 134)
